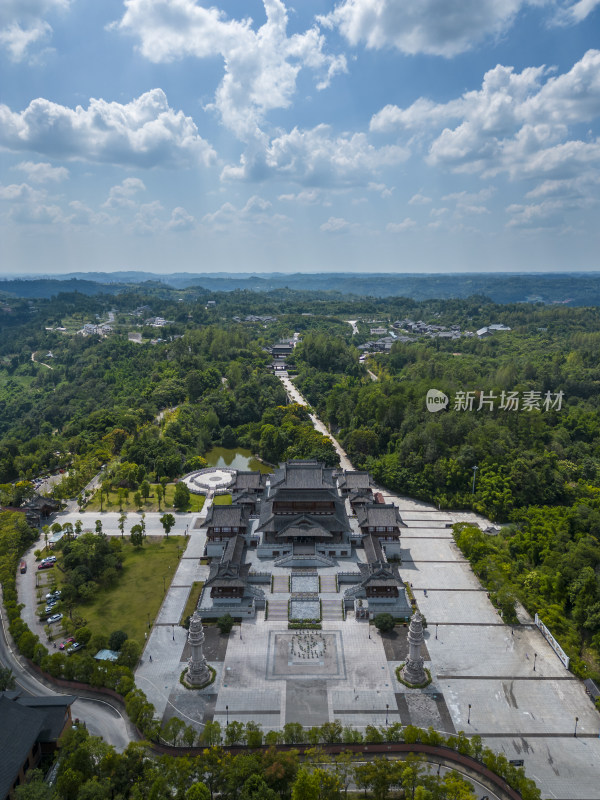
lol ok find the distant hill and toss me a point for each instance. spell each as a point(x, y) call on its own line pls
point(574, 289)
point(50, 287)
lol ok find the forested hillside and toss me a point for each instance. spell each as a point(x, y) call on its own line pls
point(537, 464)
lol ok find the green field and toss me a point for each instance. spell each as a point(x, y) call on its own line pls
point(222, 500)
point(151, 504)
point(136, 598)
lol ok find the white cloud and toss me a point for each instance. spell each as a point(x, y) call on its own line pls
point(571, 14)
point(18, 41)
point(81, 214)
point(261, 65)
point(380, 188)
point(42, 172)
point(398, 227)
point(22, 25)
point(419, 200)
point(436, 27)
point(306, 197)
point(28, 205)
point(144, 133)
point(256, 211)
point(317, 158)
point(180, 220)
point(335, 225)
point(121, 196)
point(518, 123)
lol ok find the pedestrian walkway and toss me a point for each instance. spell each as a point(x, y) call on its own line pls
point(278, 608)
point(281, 584)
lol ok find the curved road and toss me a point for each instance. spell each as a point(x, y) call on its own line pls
point(100, 716)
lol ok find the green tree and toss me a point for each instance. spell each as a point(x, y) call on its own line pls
point(136, 536)
point(116, 639)
point(145, 489)
point(36, 787)
point(198, 791)
point(181, 497)
point(172, 730)
point(235, 733)
point(384, 623)
point(211, 735)
point(167, 521)
point(225, 623)
point(130, 653)
point(7, 679)
point(306, 786)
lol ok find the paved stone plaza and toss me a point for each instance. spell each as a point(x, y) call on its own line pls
point(474, 659)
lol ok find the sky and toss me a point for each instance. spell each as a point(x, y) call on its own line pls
point(260, 136)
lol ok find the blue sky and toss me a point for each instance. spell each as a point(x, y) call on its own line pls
point(384, 135)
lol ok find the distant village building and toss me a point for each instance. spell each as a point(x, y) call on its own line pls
point(488, 330)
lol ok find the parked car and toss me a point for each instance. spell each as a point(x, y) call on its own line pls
point(50, 608)
point(23, 567)
point(46, 565)
point(53, 595)
point(49, 560)
point(75, 647)
point(64, 645)
point(54, 618)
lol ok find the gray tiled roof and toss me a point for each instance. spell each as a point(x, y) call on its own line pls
point(247, 480)
point(19, 732)
point(373, 550)
point(303, 475)
point(379, 514)
point(354, 479)
point(232, 516)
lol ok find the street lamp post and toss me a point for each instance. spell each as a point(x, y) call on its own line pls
point(534, 660)
point(387, 705)
point(436, 627)
point(227, 713)
point(575, 731)
point(475, 468)
point(469, 717)
point(173, 627)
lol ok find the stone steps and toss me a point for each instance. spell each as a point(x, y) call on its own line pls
point(278, 608)
point(332, 609)
point(328, 583)
point(280, 583)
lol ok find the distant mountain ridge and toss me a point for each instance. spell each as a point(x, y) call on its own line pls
point(568, 288)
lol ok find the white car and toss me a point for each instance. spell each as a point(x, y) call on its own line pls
point(54, 618)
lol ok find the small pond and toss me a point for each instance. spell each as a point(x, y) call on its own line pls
point(305, 609)
point(235, 458)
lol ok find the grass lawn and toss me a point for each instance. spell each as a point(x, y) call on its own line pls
point(192, 600)
point(139, 592)
point(222, 500)
point(151, 504)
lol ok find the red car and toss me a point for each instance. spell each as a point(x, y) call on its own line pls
point(66, 643)
point(46, 565)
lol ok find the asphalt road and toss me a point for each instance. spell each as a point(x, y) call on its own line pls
point(100, 717)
